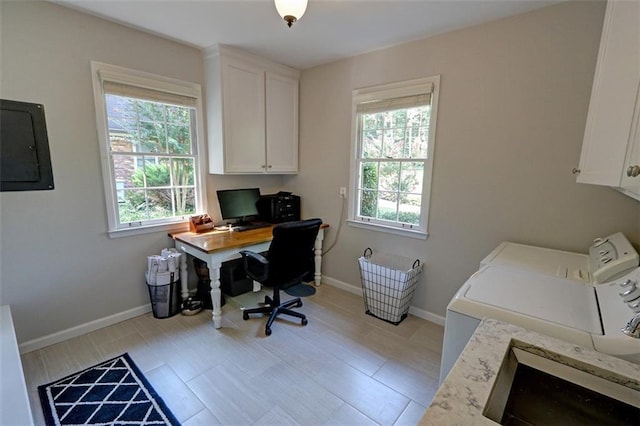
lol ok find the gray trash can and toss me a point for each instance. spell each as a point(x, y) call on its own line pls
point(165, 298)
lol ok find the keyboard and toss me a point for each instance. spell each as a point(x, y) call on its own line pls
point(251, 225)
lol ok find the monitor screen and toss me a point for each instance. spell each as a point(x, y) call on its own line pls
point(238, 203)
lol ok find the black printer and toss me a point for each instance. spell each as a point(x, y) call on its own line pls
point(280, 207)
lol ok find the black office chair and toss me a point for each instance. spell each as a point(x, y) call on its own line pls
point(283, 266)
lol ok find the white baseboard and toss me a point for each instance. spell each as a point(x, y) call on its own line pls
point(342, 285)
point(60, 336)
point(426, 315)
point(420, 313)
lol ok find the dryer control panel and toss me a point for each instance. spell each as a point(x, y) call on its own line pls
point(618, 302)
point(611, 257)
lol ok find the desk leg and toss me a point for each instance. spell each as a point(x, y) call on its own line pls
point(184, 277)
point(216, 294)
point(318, 257)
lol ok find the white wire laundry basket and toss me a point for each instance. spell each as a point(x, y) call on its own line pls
point(388, 284)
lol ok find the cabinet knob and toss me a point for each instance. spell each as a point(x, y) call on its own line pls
point(263, 166)
point(633, 171)
point(575, 171)
point(270, 166)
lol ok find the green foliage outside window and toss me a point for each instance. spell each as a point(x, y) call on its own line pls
point(369, 200)
point(391, 180)
point(160, 183)
point(155, 204)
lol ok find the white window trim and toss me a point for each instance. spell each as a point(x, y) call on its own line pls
point(100, 71)
point(387, 91)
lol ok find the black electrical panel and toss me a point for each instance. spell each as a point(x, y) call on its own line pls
point(25, 162)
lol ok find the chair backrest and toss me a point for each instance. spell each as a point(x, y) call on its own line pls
point(290, 251)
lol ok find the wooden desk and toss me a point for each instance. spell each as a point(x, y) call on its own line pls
point(216, 247)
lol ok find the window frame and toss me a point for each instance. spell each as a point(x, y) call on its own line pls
point(115, 74)
point(392, 91)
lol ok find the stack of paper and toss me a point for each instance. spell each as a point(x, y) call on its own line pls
point(163, 269)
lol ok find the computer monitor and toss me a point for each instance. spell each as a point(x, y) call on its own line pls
point(238, 203)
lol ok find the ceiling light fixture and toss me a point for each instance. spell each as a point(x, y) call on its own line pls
point(291, 10)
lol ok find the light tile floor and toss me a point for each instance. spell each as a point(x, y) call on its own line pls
point(343, 368)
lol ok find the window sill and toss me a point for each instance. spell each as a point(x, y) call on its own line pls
point(140, 230)
point(420, 235)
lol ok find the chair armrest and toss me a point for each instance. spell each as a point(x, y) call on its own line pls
point(255, 265)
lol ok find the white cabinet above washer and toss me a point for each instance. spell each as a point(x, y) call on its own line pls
point(252, 113)
point(611, 147)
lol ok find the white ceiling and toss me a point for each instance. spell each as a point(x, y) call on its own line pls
point(329, 30)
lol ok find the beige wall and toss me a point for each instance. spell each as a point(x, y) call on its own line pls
point(58, 268)
point(513, 101)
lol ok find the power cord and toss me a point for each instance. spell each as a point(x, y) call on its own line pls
point(335, 240)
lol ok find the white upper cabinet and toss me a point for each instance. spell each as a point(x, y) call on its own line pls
point(631, 173)
point(282, 123)
point(252, 111)
point(610, 149)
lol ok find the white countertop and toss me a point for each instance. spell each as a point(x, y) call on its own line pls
point(14, 400)
point(464, 394)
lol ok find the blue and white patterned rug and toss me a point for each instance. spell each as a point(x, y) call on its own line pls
point(110, 393)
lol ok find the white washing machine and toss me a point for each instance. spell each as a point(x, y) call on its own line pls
point(608, 258)
point(589, 315)
point(561, 294)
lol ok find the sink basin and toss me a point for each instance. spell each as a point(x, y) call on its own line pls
point(535, 390)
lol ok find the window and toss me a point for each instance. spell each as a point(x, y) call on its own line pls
point(150, 137)
point(394, 134)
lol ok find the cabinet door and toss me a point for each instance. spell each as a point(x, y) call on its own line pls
point(613, 97)
point(282, 123)
point(243, 118)
point(631, 172)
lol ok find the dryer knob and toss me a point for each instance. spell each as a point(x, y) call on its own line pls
point(627, 283)
point(630, 294)
point(599, 241)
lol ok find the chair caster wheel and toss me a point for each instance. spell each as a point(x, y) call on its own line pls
point(304, 321)
point(267, 331)
point(245, 316)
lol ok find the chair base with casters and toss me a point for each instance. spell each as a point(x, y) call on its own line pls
point(274, 308)
point(284, 265)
